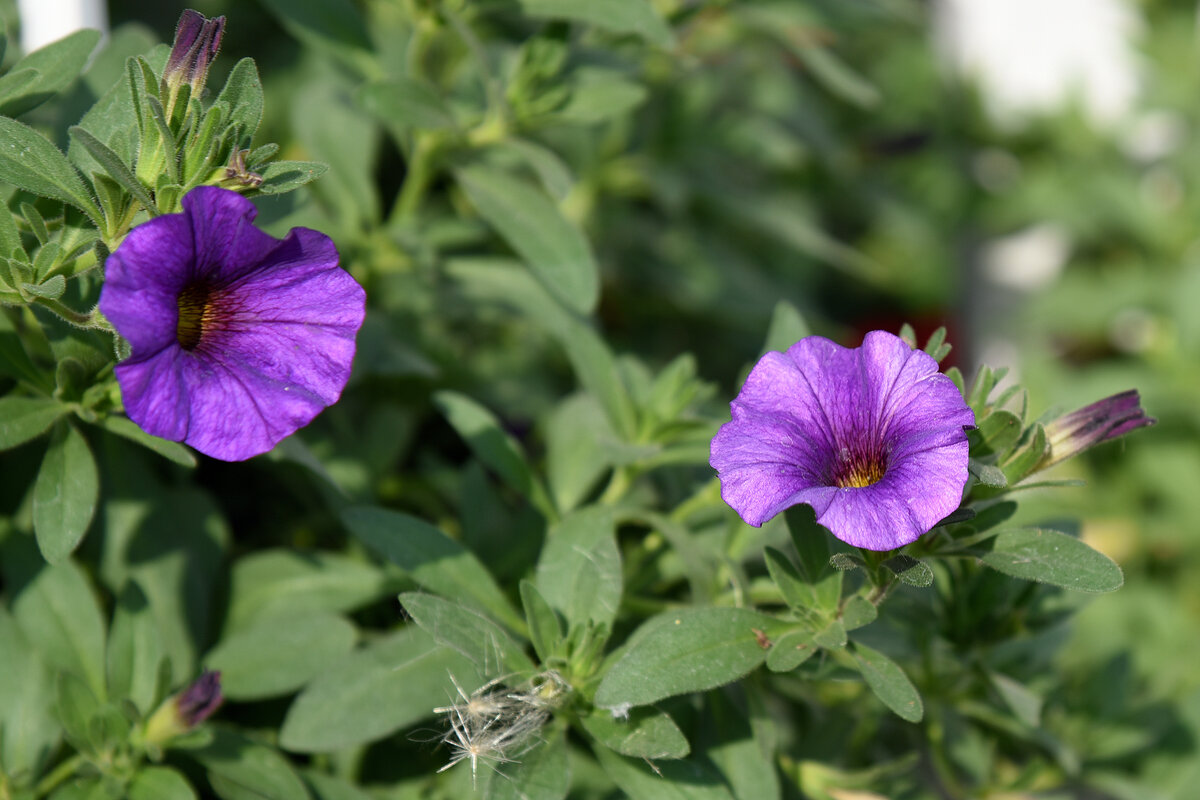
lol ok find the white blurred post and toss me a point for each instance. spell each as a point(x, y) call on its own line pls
point(45, 21)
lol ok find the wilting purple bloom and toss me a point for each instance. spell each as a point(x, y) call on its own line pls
point(238, 339)
point(1086, 427)
point(197, 40)
point(871, 437)
point(197, 702)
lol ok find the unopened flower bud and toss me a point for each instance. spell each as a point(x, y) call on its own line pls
point(1086, 427)
point(197, 40)
point(182, 712)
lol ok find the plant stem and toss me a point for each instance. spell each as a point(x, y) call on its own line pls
point(93, 320)
point(61, 773)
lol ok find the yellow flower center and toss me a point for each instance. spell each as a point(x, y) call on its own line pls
point(195, 315)
point(854, 470)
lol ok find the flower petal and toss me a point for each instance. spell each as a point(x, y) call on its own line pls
point(142, 280)
point(802, 414)
point(155, 394)
point(226, 244)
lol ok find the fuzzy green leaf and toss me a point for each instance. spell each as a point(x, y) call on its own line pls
point(1047, 556)
point(645, 732)
point(532, 224)
point(579, 571)
point(25, 418)
point(618, 16)
point(484, 642)
point(65, 494)
point(432, 559)
point(375, 691)
point(30, 162)
point(686, 651)
point(889, 683)
point(55, 67)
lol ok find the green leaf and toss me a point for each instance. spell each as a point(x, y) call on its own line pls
point(10, 236)
point(837, 78)
point(576, 458)
point(329, 787)
point(795, 590)
point(790, 651)
point(686, 651)
point(280, 177)
point(832, 637)
point(593, 362)
point(135, 650)
point(888, 682)
point(1026, 705)
point(490, 443)
point(539, 773)
point(28, 730)
point(374, 692)
point(1047, 556)
point(116, 169)
point(267, 583)
point(599, 96)
point(64, 496)
point(787, 327)
point(532, 224)
point(858, 613)
point(30, 162)
point(987, 474)
point(280, 654)
point(553, 173)
point(242, 769)
point(172, 542)
point(645, 732)
point(910, 570)
point(172, 451)
point(545, 629)
point(76, 706)
point(15, 361)
point(332, 25)
point(579, 572)
point(682, 779)
point(484, 642)
point(25, 418)
point(58, 613)
point(160, 783)
point(1027, 457)
point(243, 94)
point(432, 559)
point(406, 102)
point(619, 16)
point(734, 741)
point(55, 66)
point(997, 432)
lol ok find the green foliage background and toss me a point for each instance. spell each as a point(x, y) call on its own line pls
point(735, 174)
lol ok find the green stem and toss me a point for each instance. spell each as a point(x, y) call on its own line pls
point(618, 485)
point(420, 172)
point(93, 320)
point(61, 773)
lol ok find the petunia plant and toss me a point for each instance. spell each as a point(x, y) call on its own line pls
point(502, 461)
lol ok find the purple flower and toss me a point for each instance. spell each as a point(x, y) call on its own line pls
point(238, 339)
point(197, 40)
point(182, 712)
point(198, 702)
point(872, 438)
point(1086, 427)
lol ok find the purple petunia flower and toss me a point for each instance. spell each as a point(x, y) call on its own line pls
point(238, 338)
point(871, 437)
point(1086, 427)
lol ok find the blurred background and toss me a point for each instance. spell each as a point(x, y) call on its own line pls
point(1020, 171)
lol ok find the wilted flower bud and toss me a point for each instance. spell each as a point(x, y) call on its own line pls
point(197, 40)
point(181, 712)
point(1105, 419)
point(236, 175)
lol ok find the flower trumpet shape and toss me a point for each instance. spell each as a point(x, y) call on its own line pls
point(197, 41)
point(1086, 427)
point(871, 437)
point(238, 339)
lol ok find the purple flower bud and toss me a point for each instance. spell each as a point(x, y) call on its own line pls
point(197, 40)
point(197, 702)
point(1086, 427)
point(182, 712)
